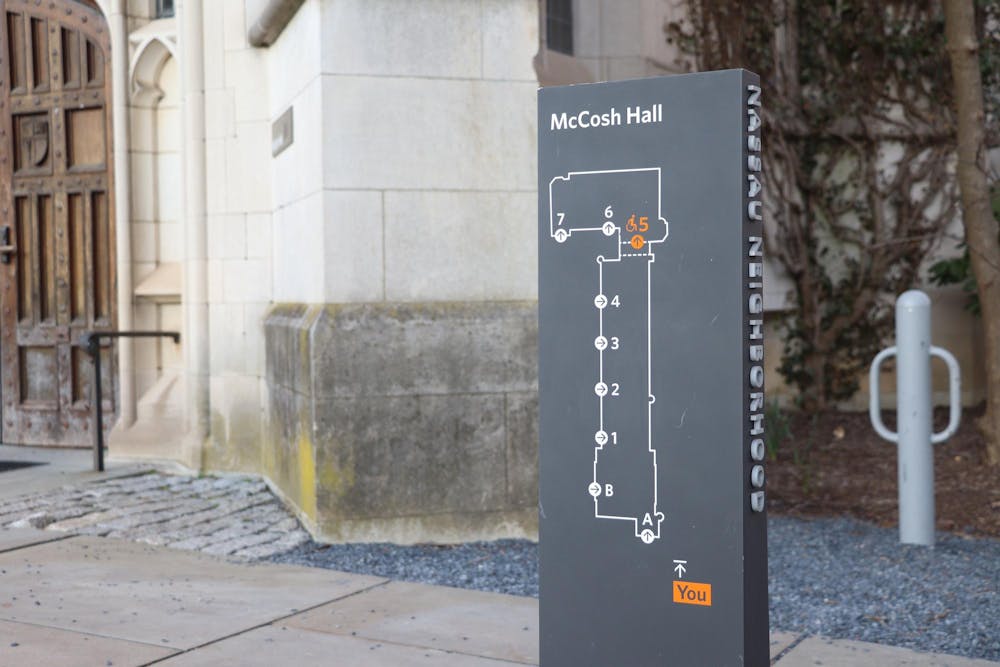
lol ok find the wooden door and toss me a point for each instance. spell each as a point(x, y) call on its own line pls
point(57, 264)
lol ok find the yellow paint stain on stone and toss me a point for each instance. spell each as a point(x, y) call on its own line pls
point(336, 481)
point(307, 477)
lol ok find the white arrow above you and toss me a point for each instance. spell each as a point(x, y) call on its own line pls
point(680, 569)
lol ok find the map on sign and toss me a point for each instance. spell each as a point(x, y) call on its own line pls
point(621, 207)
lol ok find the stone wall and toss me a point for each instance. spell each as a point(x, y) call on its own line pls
point(400, 371)
point(406, 422)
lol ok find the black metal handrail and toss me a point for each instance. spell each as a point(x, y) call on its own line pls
point(91, 341)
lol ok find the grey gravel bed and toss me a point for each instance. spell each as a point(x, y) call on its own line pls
point(504, 566)
point(834, 577)
point(846, 579)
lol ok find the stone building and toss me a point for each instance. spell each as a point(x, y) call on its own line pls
point(334, 202)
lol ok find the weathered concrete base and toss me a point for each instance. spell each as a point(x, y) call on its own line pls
point(450, 528)
point(405, 422)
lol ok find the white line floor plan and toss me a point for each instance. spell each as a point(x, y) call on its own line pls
point(622, 209)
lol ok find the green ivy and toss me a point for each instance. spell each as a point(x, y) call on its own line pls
point(858, 139)
point(958, 270)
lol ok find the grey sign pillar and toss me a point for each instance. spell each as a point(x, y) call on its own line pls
point(653, 547)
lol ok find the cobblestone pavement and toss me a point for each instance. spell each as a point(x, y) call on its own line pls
point(224, 516)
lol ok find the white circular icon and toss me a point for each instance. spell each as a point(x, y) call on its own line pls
point(608, 228)
point(601, 389)
point(601, 343)
point(594, 489)
point(600, 301)
point(647, 536)
point(601, 437)
point(561, 235)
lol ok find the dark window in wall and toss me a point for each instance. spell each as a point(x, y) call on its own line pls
point(559, 25)
point(164, 8)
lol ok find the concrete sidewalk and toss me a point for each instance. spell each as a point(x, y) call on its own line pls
point(48, 468)
point(84, 601)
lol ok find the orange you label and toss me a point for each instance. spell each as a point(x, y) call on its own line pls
point(690, 592)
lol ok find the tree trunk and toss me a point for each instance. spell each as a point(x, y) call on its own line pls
point(815, 398)
point(982, 233)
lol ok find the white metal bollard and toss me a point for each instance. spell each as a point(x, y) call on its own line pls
point(913, 351)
